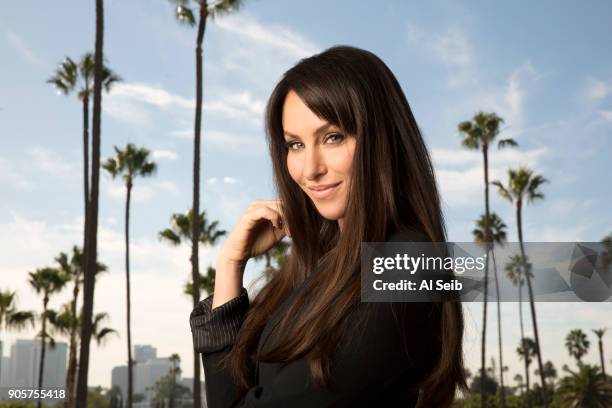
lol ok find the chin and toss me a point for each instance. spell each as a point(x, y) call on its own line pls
point(331, 213)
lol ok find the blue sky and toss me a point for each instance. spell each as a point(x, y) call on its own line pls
point(544, 67)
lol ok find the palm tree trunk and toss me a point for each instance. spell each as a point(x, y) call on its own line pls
point(483, 402)
point(127, 283)
point(520, 285)
point(499, 335)
point(92, 216)
point(72, 362)
point(527, 374)
point(86, 154)
point(41, 365)
point(72, 359)
point(531, 303)
point(195, 225)
point(171, 402)
point(601, 359)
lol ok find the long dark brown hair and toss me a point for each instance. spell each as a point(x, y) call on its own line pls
point(393, 186)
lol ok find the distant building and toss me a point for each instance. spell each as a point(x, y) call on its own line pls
point(21, 368)
point(119, 379)
point(4, 371)
point(4, 362)
point(147, 371)
point(144, 353)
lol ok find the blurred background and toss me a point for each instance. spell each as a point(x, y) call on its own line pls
point(544, 68)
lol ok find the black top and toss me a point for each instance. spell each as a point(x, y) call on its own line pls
point(377, 363)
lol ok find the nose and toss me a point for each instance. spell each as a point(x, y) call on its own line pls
point(314, 165)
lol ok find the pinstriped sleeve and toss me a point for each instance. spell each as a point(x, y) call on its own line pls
point(214, 330)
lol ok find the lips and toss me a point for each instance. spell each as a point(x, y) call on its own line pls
point(324, 191)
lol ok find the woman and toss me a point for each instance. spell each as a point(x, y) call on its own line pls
point(350, 166)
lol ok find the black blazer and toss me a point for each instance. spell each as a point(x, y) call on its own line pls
point(375, 364)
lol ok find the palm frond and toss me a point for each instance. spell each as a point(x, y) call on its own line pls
point(502, 191)
point(222, 7)
point(169, 235)
point(184, 15)
point(506, 143)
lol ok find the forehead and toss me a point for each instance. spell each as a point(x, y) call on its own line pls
point(298, 119)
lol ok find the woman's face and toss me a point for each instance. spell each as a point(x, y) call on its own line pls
point(319, 157)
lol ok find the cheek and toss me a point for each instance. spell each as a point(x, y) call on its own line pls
point(342, 159)
point(294, 167)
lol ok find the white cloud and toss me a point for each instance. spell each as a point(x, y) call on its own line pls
point(278, 37)
point(451, 47)
point(595, 90)
point(167, 185)
point(225, 179)
point(23, 49)
point(132, 102)
point(460, 172)
point(10, 174)
point(227, 141)
point(508, 101)
point(182, 134)
point(164, 154)
point(237, 105)
point(139, 193)
point(50, 162)
point(606, 115)
point(151, 94)
point(258, 52)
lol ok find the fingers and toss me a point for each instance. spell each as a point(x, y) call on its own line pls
point(274, 205)
point(258, 211)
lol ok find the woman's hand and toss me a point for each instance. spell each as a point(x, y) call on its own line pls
point(258, 230)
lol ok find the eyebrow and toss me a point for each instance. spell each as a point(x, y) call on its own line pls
point(321, 129)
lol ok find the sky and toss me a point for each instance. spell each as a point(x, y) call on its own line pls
point(544, 67)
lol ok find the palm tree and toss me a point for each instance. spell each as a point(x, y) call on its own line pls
point(514, 272)
point(207, 283)
point(519, 384)
point(549, 372)
point(524, 185)
point(180, 231)
point(585, 388)
point(129, 163)
point(599, 333)
point(185, 13)
point(480, 133)
point(277, 254)
point(67, 77)
point(62, 322)
point(46, 281)
point(497, 230)
point(91, 218)
point(10, 317)
point(73, 268)
point(526, 352)
point(577, 345)
point(175, 359)
point(181, 226)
